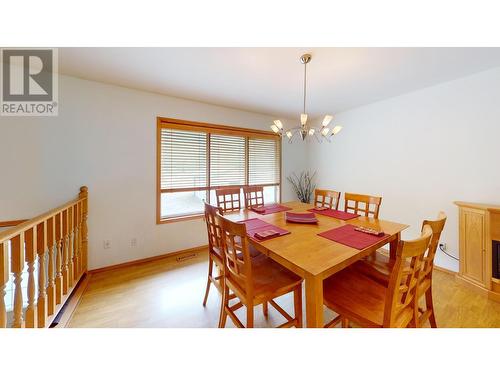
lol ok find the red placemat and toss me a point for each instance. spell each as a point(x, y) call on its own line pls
point(270, 209)
point(346, 235)
point(256, 225)
point(341, 215)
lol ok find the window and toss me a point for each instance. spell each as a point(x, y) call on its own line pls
point(194, 159)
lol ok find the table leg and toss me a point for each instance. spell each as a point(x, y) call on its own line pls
point(314, 302)
point(393, 245)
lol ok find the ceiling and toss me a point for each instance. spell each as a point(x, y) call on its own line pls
point(269, 80)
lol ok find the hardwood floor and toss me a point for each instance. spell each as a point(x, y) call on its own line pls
point(167, 293)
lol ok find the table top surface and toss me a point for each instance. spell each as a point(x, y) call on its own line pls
point(303, 251)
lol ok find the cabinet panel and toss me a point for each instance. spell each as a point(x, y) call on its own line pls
point(473, 242)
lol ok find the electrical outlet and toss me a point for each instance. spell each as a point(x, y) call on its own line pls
point(106, 244)
point(133, 242)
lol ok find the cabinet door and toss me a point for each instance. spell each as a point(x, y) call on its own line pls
point(472, 239)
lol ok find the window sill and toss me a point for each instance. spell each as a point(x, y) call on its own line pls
point(177, 219)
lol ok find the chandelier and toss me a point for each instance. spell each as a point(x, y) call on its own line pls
point(305, 131)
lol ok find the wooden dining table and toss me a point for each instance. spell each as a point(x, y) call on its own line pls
point(313, 257)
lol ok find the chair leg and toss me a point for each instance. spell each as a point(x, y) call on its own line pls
point(345, 322)
point(210, 268)
point(297, 305)
point(225, 303)
point(430, 307)
point(249, 316)
point(265, 309)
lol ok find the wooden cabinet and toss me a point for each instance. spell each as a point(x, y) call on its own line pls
point(479, 224)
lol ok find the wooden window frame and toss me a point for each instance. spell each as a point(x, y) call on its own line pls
point(171, 123)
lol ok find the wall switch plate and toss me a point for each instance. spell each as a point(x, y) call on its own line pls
point(133, 242)
point(106, 244)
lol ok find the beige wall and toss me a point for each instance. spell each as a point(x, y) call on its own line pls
point(105, 137)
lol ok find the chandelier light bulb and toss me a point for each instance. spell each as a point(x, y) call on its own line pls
point(303, 119)
point(278, 124)
point(326, 120)
point(336, 129)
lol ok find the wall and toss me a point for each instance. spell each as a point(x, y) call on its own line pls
point(420, 151)
point(105, 138)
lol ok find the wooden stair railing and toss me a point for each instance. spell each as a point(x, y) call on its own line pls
point(11, 223)
point(52, 250)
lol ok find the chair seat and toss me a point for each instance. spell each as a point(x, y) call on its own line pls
point(377, 266)
point(270, 279)
point(353, 294)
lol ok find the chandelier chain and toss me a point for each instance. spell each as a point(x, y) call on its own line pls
point(305, 86)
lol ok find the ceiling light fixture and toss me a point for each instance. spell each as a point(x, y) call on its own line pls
point(305, 131)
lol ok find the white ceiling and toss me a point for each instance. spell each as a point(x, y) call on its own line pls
point(269, 80)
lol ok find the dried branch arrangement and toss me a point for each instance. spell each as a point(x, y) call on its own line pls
point(303, 185)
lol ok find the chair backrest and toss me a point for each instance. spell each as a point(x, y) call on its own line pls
point(236, 254)
point(401, 306)
point(364, 205)
point(326, 198)
point(437, 227)
point(254, 196)
point(228, 199)
point(213, 229)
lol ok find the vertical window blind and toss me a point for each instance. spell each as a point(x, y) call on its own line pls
point(197, 160)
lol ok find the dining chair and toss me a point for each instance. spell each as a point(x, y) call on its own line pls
point(215, 255)
point(365, 205)
point(254, 196)
point(326, 198)
point(254, 281)
point(359, 299)
point(379, 267)
point(228, 199)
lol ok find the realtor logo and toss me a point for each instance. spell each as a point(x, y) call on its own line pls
point(29, 82)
